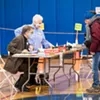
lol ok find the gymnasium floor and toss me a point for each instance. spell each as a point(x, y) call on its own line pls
point(62, 88)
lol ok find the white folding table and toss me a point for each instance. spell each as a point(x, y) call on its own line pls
point(61, 65)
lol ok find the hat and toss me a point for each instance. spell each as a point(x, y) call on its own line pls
point(88, 15)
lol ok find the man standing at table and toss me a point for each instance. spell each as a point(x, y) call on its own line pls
point(37, 39)
point(13, 65)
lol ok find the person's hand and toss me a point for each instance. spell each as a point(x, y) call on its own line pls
point(31, 48)
point(52, 46)
point(92, 53)
point(25, 51)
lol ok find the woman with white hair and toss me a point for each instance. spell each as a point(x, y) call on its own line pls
point(37, 20)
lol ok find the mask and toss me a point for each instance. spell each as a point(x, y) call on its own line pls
point(41, 26)
point(29, 36)
point(38, 25)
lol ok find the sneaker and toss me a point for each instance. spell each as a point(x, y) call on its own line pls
point(25, 89)
point(93, 89)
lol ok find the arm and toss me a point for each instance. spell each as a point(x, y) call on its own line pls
point(18, 31)
point(46, 43)
point(95, 37)
point(12, 47)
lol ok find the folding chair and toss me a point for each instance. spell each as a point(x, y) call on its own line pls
point(8, 78)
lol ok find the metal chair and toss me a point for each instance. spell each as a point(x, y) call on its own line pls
point(8, 78)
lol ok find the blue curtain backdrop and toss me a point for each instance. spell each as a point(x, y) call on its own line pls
point(59, 16)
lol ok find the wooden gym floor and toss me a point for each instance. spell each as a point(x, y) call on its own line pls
point(61, 90)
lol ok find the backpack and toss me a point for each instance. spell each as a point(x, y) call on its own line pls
point(88, 38)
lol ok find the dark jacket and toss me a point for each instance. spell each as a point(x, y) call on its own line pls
point(88, 37)
point(95, 33)
point(15, 46)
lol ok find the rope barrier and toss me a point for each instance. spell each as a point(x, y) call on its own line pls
point(10, 29)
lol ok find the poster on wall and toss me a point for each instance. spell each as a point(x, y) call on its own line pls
point(97, 9)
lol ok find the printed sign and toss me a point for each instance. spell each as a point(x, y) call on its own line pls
point(51, 51)
point(42, 26)
point(97, 9)
point(78, 27)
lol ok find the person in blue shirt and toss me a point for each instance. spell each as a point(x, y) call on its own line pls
point(37, 39)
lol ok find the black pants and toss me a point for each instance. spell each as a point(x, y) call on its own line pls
point(24, 68)
point(34, 70)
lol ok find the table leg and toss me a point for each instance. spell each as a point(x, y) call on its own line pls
point(28, 75)
point(67, 76)
point(45, 73)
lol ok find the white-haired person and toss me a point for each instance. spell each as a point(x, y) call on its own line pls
point(37, 40)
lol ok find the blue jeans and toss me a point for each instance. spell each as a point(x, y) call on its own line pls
point(95, 66)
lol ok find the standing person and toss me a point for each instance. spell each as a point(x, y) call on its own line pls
point(37, 40)
point(94, 48)
point(13, 65)
point(89, 18)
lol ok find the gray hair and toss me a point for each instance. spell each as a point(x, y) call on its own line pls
point(36, 17)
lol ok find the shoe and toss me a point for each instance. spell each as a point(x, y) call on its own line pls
point(25, 89)
point(42, 78)
point(93, 90)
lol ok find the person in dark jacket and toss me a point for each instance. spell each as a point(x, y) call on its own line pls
point(90, 17)
point(94, 27)
point(13, 65)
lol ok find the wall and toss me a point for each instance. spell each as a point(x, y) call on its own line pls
point(59, 16)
